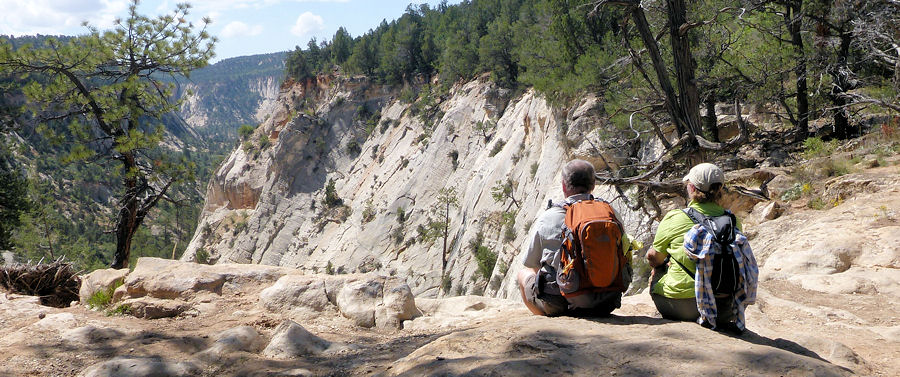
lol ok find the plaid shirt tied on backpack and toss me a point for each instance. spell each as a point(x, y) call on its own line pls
point(701, 245)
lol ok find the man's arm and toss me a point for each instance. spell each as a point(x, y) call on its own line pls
point(655, 258)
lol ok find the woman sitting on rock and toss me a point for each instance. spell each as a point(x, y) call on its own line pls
point(675, 258)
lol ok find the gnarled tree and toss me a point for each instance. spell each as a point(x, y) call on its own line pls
point(109, 89)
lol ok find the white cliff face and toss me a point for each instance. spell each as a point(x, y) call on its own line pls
point(270, 210)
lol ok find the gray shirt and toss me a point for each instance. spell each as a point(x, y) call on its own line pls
point(542, 251)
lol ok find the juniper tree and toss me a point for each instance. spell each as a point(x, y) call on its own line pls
point(109, 89)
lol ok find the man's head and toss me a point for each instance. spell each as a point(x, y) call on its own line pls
point(704, 182)
point(578, 177)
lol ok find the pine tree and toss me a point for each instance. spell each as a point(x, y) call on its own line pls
point(109, 88)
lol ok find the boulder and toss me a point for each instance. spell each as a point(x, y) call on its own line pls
point(397, 305)
point(295, 292)
point(238, 339)
point(91, 334)
point(154, 308)
point(765, 211)
point(169, 279)
point(104, 279)
point(357, 301)
point(141, 367)
point(377, 301)
point(292, 341)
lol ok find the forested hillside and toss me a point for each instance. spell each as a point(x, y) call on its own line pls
point(822, 69)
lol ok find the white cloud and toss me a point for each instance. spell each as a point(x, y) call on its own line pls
point(57, 16)
point(224, 5)
point(240, 29)
point(307, 24)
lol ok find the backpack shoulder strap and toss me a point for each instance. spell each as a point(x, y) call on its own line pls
point(694, 215)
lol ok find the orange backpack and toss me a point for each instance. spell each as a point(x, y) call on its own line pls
point(591, 258)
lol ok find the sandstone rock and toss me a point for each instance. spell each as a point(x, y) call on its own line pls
point(292, 341)
point(764, 211)
point(91, 334)
point(398, 305)
point(357, 301)
point(141, 367)
point(58, 322)
point(153, 308)
point(163, 278)
point(238, 339)
point(295, 291)
point(97, 280)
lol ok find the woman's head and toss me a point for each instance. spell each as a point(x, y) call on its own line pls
point(704, 183)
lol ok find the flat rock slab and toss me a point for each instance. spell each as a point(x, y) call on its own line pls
point(168, 279)
point(525, 345)
point(141, 367)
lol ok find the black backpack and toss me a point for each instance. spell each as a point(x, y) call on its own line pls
point(724, 279)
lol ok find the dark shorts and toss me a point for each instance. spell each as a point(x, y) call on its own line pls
point(551, 305)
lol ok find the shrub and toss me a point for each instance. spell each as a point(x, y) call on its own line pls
point(245, 131)
point(331, 197)
point(263, 142)
point(816, 204)
point(201, 256)
point(120, 310)
point(368, 214)
point(401, 215)
point(498, 146)
point(815, 147)
point(102, 298)
point(534, 168)
point(446, 284)
point(329, 268)
point(353, 148)
point(792, 193)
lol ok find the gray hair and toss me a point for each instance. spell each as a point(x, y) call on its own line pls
point(578, 176)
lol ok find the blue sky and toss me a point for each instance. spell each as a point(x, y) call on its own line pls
point(244, 27)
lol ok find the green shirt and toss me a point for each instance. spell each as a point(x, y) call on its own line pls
point(676, 283)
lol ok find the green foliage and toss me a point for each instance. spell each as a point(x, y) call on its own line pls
point(533, 169)
point(498, 146)
point(446, 284)
point(122, 309)
point(368, 213)
point(329, 268)
point(815, 147)
point(245, 131)
point(353, 148)
point(201, 256)
point(401, 216)
point(331, 197)
point(102, 298)
point(484, 256)
point(263, 142)
point(13, 198)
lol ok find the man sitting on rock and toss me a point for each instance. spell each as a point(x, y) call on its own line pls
point(542, 259)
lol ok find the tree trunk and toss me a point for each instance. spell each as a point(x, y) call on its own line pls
point(659, 66)
point(710, 122)
point(127, 221)
point(794, 19)
point(684, 66)
point(840, 85)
